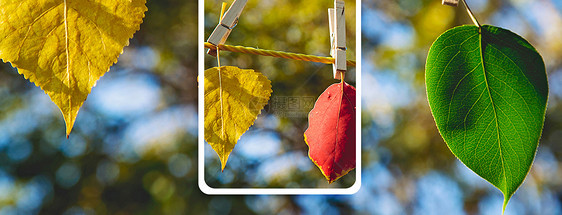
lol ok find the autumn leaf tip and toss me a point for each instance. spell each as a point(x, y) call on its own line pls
point(69, 127)
point(223, 165)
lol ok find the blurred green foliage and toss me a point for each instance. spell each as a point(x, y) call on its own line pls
point(398, 129)
point(109, 166)
point(143, 160)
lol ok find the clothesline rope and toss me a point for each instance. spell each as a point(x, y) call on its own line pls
point(280, 54)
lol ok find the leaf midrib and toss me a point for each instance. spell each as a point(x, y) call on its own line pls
point(493, 107)
point(338, 122)
point(67, 61)
point(222, 113)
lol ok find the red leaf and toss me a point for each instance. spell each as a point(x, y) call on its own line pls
point(331, 131)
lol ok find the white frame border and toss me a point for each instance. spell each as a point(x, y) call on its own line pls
point(273, 191)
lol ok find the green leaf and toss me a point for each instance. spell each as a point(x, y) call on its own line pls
point(65, 46)
point(233, 99)
point(487, 90)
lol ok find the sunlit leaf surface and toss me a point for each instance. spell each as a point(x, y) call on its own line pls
point(233, 99)
point(331, 132)
point(487, 90)
point(65, 46)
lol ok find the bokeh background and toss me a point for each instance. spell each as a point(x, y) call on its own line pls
point(273, 153)
point(408, 167)
point(134, 146)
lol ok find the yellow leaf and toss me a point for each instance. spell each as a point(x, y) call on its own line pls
point(233, 99)
point(65, 46)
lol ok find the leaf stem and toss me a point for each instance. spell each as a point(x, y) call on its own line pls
point(471, 14)
point(223, 7)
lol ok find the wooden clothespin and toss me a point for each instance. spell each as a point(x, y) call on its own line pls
point(227, 23)
point(453, 3)
point(337, 38)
